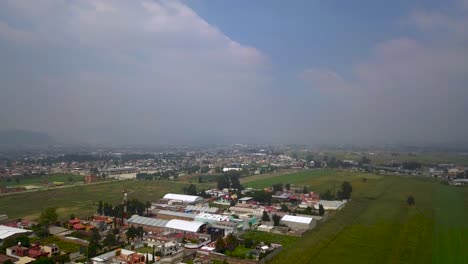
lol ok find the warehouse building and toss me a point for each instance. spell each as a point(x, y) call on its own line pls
point(299, 222)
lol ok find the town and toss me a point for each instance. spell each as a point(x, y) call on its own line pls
point(213, 228)
point(214, 219)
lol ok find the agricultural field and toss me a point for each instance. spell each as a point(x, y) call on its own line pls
point(378, 226)
point(42, 181)
point(82, 200)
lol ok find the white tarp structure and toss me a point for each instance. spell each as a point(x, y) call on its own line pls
point(330, 205)
point(299, 222)
point(183, 198)
point(6, 232)
point(181, 225)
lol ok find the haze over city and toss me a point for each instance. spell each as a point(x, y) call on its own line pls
point(180, 72)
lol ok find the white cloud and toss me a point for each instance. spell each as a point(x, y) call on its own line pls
point(407, 88)
point(9, 33)
point(151, 64)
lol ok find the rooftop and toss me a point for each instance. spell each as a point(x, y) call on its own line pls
point(136, 219)
point(6, 231)
point(183, 197)
point(297, 219)
point(189, 226)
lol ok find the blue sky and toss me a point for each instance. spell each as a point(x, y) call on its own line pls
point(155, 71)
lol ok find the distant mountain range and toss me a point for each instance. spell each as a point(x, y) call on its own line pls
point(23, 138)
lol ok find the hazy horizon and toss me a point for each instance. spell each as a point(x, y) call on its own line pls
point(180, 72)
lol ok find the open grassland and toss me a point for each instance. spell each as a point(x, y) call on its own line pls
point(377, 226)
point(426, 158)
point(63, 178)
point(83, 200)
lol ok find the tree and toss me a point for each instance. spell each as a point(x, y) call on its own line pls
point(410, 200)
point(321, 209)
point(327, 195)
point(287, 186)
point(305, 190)
point(191, 190)
point(131, 233)
point(48, 216)
point(284, 207)
point(100, 208)
point(278, 187)
point(62, 259)
point(276, 219)
point(231, 242)
point(110, 240)
point(8, 262)
point(140, 232)
point(345, 192)
point(148, 206)
point(72, 216)
point(365, 160)
point(94, 245)
point(24, 240)
point(220, 246)
point(248, 243)
point(265, 216)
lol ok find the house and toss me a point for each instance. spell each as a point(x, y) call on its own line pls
point(121, 256)
point(245, 199)
point(10, 232)
point(299, 222)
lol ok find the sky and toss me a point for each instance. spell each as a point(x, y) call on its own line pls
point(182, 72)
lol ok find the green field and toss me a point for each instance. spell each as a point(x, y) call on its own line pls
point(64, 178)
point(377, 226)
point(82, 200)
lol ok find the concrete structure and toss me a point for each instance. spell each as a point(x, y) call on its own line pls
point(299, 222)
point(265, 228)
point(246, 210)
point(169, 215)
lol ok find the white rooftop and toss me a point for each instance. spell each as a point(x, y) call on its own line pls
point(297, 219)
point(183, 197)
point(6, 231)
point(189, 226)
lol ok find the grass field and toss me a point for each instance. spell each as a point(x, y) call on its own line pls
point(43, 180)
point(377, 226)
point(82, 200)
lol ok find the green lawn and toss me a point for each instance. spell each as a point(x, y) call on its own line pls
point(83, 200)
point(285, 240)
point(65, 246)
point(377, 226)
point(239, 252)
point(65, 178)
